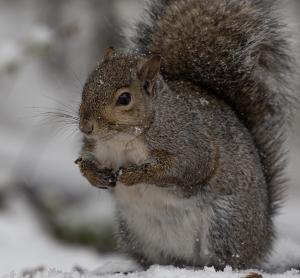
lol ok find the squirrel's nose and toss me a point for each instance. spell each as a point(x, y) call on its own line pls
point(86, 127)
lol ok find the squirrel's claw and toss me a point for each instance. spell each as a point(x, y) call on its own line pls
point(132, 174)
point(78, 160)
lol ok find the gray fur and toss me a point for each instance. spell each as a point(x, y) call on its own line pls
point(240, 225)
point(238, 50)
point(218, 114)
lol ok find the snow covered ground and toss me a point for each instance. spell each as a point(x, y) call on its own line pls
point(163, 272)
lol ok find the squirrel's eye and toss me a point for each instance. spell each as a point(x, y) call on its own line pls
point(124, 99)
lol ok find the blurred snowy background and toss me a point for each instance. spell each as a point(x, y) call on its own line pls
point(49, 215)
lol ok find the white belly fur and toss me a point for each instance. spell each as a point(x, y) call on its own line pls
point(121, 151)
point(162, 222)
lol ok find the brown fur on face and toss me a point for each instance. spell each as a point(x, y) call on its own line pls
point(100, 114)
point(130, 115)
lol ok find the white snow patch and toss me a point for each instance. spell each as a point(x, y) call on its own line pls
point(160, 272)
point(25, 245)
point(10, 53)
point(41, 35)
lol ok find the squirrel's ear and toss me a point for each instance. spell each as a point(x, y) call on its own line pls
point(109, 52)
point(149, 71)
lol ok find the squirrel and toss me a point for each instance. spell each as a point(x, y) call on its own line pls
point(185, 126)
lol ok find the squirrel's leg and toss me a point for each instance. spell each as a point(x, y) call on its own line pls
point(95, 174)
point(165, 169)
point(154, 172)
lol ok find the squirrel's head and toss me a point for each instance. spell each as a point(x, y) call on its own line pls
point(118, 95)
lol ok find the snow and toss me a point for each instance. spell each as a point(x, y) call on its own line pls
point(10, 54)
point(208, 272)
point(25, 245)
point(160, 272)
point(41, 35)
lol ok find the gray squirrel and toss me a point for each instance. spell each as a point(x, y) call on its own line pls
point(185, 126)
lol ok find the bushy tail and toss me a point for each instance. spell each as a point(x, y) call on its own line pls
point(235, 49)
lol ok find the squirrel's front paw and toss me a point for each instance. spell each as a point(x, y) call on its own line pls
point(95, 174)
point(132, 174)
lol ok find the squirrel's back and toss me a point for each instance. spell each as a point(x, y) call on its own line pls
point(237, 50)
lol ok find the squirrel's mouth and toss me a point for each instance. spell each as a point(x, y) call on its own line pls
point(106, 137)
point(101, 136)
point(114, 131)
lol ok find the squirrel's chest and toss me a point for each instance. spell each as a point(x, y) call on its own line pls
point(121, 151)
point(164, 226)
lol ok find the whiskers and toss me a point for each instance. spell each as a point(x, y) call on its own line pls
point(63, 119)
point(60, 117)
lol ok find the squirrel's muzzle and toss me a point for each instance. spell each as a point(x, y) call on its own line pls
point(86, 127)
